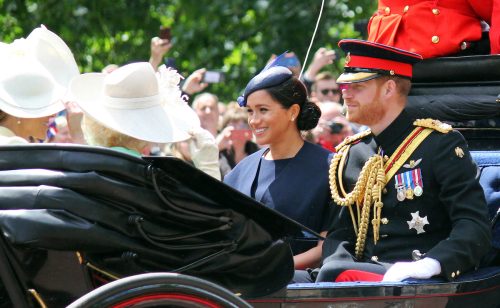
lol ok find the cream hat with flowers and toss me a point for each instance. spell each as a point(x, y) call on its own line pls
point(35, 74)
point(136, 101)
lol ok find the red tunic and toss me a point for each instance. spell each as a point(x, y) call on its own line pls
point(433, 28)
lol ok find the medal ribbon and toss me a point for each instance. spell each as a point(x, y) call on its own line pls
point(417, 175)
point(398, 180)
point(404, 151)
point(409, 180)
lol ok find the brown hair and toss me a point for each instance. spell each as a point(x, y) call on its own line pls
point(322, 76)
point(233, 114)
point(402, 84)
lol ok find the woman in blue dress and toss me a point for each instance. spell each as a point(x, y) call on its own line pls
point(288, 174)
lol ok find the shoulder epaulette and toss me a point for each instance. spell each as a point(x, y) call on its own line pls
point(434, 124)
point(353, 138)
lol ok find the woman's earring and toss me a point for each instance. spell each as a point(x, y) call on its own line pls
point(293, 118)
point(18, 122)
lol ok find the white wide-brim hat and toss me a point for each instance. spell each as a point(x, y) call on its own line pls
point(35, 74)
point(135, 101)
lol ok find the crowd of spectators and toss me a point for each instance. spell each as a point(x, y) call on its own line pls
point(225, 121)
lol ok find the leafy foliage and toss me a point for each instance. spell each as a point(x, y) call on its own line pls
point(236, 36)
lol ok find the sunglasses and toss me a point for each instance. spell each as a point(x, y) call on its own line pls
point(334, 91)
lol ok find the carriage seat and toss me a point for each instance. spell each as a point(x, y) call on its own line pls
point(488, 163)
point(468, 69)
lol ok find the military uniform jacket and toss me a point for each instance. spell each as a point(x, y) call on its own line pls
point(433, 28)
point(447, 222)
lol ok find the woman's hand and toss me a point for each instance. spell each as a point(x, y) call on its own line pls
point(204, 152)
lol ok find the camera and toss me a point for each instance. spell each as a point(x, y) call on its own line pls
point(335, 127)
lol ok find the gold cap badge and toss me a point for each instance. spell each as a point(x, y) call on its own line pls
point(348, 58)
point(459, 152)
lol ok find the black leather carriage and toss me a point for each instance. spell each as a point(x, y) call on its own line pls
point(74, 217)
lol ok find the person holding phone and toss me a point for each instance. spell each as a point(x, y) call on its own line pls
point(278, 110)
point(160, 45)
point(235, 140)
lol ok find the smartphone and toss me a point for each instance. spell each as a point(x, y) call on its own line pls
point(241, 134)
point(165, 33)
point(213, 77)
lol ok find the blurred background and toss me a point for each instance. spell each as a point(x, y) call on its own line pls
point(236, 37)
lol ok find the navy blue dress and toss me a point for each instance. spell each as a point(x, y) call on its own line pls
point(297, 187)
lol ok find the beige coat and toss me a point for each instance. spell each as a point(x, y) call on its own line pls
point(8, 137)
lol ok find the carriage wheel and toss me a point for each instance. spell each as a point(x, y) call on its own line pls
point(159, 289)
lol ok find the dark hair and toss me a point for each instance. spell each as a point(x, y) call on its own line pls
point(291, 92)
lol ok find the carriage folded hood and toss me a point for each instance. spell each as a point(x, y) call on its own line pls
point(128, 215)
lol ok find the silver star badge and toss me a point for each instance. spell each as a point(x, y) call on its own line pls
point(417, 222)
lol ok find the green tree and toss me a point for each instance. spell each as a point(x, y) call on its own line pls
point(235, 36)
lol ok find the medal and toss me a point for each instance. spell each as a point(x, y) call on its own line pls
point(418, 191)
point(408, 183)
point(417, 176)
point(400, 189)
point(401, 195)
point(418, 223)
point(409, 193)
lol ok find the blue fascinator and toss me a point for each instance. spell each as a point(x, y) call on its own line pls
point(272, 75)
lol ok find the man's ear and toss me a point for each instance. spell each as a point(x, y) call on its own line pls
point(391, 88)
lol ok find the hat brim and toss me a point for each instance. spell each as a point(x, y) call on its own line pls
point(57, 58)
point(351, 77)
point(42, 97)
point(163, 123)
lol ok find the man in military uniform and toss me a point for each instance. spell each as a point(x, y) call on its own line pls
point(408, 202)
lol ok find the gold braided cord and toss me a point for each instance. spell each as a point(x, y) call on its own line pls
point(434, 124)
point(371, 181)
point(340, 173)
point(368, 188)
point(342, 150)
point(372, 195)
point(351, 139)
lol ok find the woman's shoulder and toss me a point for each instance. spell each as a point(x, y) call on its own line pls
point(315, 157)
point(316, 149)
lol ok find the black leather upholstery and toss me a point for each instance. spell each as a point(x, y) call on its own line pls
point(128, 215)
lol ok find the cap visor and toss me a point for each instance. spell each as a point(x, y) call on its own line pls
point(356, 77)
